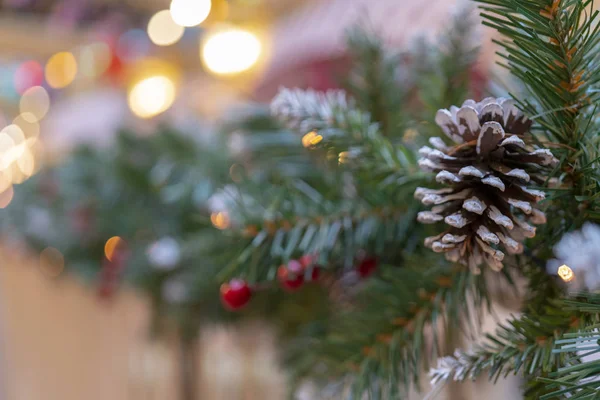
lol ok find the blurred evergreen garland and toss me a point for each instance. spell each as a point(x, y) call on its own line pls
point(340, 189)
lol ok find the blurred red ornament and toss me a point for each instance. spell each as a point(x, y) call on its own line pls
point(367, 267)
point(27, 75)
point(307, 260)
point(235, 294)
point(316, 273)
point(291, 276)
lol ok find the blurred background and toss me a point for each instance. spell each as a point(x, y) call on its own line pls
point(78, 72)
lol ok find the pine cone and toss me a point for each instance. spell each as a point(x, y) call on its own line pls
point(488, 171)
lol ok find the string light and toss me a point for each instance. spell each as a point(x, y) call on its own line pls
point(566, 273)
point(28, 125)
point(220, 220)
point(311, 139)
point(190, 12)
point(162, 29)
point(231, 51)
point(61, 70)
point(152, 96)
point(28, 74)
point(34, 104)
point(94, 59)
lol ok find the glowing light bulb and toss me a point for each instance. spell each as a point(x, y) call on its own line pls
point(231, 51)
point(152, 96)
point(162, 29)
point(190, 12)
point(61, 70)
point(566, 273)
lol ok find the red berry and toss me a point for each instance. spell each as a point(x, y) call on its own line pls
point(235, 294)
point(307, 260)
point(292, 276)
point(316, 273)
point(367, 267)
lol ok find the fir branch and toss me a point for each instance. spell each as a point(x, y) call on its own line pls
point(386, 355)
point(561, 38)
point(578, 377)
point(373, 80)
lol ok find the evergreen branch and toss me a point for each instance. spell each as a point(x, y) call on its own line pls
point(560, 37)
point(372, 80)
point(445, 72)
point(578, 377)
point(387, 354)
point(525, 344)
point(285, 221)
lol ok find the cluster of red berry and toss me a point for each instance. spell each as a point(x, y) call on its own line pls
point(237, 293)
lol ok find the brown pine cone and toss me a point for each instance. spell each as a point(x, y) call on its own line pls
point(488, 173)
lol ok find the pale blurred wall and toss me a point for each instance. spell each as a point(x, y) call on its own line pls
point(58, 341)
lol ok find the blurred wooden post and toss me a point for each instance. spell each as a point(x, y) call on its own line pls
point(189, 367)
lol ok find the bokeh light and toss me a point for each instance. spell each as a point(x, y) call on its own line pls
point(190, 12)
point(28, 74)
point(311, 139)
point(566, 273)
point(231, 51)
point(6, 197)
point(34, 104)
point(132, 45)
point(28, 125)
point(151, 96)
point(162, 29)
point(94, 60)
point(112, 246)
point(220, 220)
point(61, 70)
point(52, 262)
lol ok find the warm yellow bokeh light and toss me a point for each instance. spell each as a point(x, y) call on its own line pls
point(231, 51)
point(61, 70)
point(26, 162)
point(26, 122)
point(343, 157)
point(220, 220)
point(34, 104)
point(52, 262)
point(190, 12)
point(162, 30)
point(566, 273)
point(152, 96)
point(311, 139)
point(94, 59)
point(6, 197)
point(111, 246)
